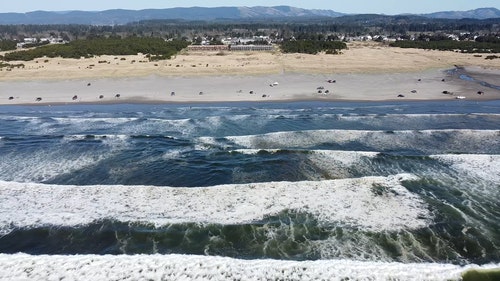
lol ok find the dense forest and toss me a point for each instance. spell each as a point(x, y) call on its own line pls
point(7, 45)
point(286, 29)
point(154, 48)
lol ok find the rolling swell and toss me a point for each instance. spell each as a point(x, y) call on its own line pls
point(171, 162)
point(287, 236)
point(309, 181)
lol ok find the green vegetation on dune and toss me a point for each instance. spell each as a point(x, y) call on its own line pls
point(451, 45)
point(7, 45)
point(155, 48)
point(10, 66)
point(482, 275)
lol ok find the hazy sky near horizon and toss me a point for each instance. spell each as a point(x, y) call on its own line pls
point(389, 7)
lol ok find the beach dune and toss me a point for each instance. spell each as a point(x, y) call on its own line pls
point(366, 71)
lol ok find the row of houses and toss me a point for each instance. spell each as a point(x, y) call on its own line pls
point(383, 38)
point(231, 47)
point(41, 41)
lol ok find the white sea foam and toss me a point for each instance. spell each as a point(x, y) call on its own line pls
point(87, 124)
point(486, 167)
point(346, 202)
point(487, 114)
point(101, 137)
point(21, 118)
point(455, 139)
point(336, 162)
point(79, 120)
point(254, 151)
point(174, 154)
point(47, 163)
point(344, 157)
point(188, 267)
point(238, 118)
point(183, 126)
point(115, 142)
point(129, 126)
point(213, 122)
point(414, 116)
point(44, 165)
point(74, 137)
point(206, 143)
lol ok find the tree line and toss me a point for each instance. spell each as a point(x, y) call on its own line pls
point(7, 45)
point(154, 48)
point(181, 29)
point(306, 35)
point(450, 45)
point(484, 44)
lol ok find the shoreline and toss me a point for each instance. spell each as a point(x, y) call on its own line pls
point(412, 86)
point(365, 72)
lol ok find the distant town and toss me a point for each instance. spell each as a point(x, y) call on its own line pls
point(300, 35)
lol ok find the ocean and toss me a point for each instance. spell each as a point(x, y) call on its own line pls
point(250, 191)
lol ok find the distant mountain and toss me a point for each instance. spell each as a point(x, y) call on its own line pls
point(119, 16)
point(283, 11)
point(482, 13)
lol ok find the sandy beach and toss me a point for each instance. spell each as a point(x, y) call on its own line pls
point(365, 72)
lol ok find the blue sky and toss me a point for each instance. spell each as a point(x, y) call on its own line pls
point(389, 7)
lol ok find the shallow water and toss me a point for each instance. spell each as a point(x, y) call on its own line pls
point(464, 75)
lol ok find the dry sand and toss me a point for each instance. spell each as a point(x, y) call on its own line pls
point(366, 71)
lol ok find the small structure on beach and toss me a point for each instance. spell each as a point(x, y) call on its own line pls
point(75, 97)
point(117, 95)
point(208, 48)
point(101, 96)
point(38, 99)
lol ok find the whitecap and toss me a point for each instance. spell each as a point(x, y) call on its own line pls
point(43, 165)
point(483, 166)
point(190, 267)
point(371, 203)
point(424, 140)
